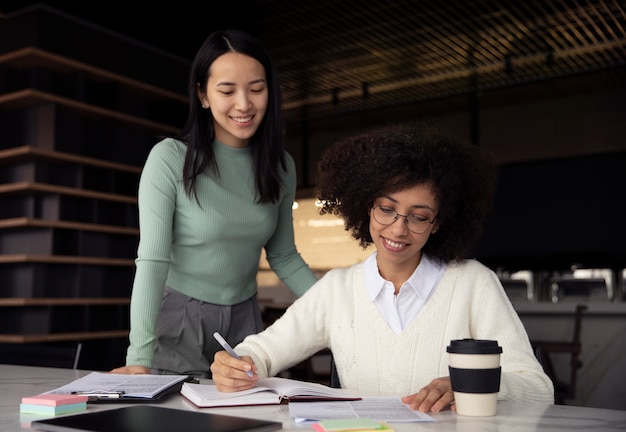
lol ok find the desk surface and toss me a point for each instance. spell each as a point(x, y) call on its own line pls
point(19, 381)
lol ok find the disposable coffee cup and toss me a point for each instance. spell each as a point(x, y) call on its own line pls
point(475, 376)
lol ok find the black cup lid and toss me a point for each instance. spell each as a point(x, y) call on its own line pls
point(474, 346)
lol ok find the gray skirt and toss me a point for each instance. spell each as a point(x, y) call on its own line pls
point(185, 326)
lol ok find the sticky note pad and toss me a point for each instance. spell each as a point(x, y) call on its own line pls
point(350, 424)
point(52, 410)
point(54, 399)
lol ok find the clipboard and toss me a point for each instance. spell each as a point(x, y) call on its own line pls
point(174, 389)
point(150, 418)
point(105, 387)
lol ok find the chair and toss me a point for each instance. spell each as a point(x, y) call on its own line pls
point(63, 355)
point(519, 285)
point(543, 350)
point(583, 285)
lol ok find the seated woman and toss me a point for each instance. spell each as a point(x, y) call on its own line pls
point(421, 198)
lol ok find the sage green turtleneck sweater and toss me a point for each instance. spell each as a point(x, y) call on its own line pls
point(209, 251)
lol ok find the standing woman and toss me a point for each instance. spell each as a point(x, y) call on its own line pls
point(210, 199)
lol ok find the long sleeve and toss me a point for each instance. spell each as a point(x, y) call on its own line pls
point(157, 205)
point(337, 313)
point(208, 248)
point(281, 252)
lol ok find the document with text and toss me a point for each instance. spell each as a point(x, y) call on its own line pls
point(123, 388)
point(384, 409)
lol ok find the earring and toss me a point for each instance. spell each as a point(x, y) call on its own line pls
point(203, 106)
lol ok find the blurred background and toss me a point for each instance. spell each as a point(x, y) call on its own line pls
point(87, 89)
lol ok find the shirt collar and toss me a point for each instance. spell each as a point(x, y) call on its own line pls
point(422, 281)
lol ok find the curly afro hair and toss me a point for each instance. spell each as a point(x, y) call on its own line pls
point(355, 171)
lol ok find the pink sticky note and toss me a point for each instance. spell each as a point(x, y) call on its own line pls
point(54, 399)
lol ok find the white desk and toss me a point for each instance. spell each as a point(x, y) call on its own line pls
point(19, 381)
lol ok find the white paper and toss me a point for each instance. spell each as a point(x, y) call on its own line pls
point(144, 385)
point(382, 409)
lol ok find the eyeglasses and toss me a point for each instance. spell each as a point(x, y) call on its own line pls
point(416, 223)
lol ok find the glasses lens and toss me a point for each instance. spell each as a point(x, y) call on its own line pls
point(384, 215)
point(415, 223)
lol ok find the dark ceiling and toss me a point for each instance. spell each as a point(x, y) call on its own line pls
point(344, 56)
point(374, 53)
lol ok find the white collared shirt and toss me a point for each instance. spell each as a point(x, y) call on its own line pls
point(399, 310)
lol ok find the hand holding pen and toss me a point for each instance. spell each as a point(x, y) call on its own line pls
point(218, 337)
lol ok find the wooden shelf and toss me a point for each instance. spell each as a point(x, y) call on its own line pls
point(26, 186)
point(63, 259)
point(30, 97)
point(40, 170)
point(25, 152)
point(76, 136)
point(45, 223)
point(64, 301)
point(62, 337)
point(29, 57)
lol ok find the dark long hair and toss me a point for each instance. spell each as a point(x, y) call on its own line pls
point(267, 143)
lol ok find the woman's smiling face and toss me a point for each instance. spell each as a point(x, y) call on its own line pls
point(237, 95)
point(396, 245)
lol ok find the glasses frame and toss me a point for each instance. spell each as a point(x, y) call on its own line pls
point(406, 219)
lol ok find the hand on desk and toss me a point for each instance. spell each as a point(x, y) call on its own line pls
point(436, 396)
point(132, 370)
point(229, 373)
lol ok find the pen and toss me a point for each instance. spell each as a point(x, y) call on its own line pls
point(100, 394)
point(218, 337)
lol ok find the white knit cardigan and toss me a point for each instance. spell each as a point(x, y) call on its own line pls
point(469, 302)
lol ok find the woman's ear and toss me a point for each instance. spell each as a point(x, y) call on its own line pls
point(203, 99)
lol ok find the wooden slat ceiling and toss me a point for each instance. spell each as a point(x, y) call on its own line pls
point(345, 56)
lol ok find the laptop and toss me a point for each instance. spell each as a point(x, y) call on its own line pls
point(149, 418)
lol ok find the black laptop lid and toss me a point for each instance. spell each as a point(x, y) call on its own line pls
point(148, 418)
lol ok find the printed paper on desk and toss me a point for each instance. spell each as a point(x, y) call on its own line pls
point(383, 409)
point(143, 387)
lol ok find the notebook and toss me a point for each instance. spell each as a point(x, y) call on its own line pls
point(149, 418)
point(268, 391)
